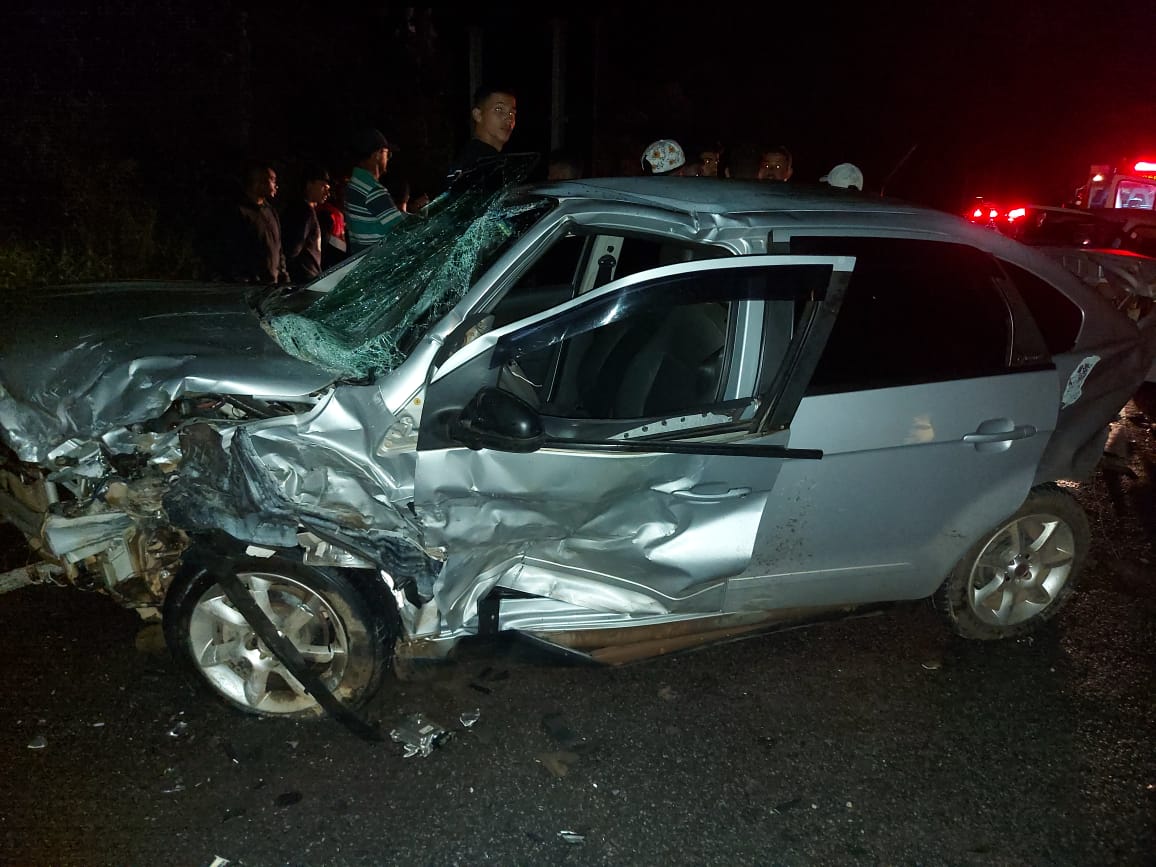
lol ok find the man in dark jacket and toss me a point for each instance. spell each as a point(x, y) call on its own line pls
point(493, 116)
point(252, 233)
point(300, 229)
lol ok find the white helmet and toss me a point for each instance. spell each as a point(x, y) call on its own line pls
point(662, 156)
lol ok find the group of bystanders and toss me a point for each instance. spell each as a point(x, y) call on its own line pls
point(325, 222)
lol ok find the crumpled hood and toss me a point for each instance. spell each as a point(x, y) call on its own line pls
point(83, 360)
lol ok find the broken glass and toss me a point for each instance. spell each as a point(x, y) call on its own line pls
point(372, 318)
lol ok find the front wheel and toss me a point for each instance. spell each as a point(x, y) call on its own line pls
point(1021, 573)
point(342, 629)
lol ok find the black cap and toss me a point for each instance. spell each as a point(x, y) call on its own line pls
point(366, 141)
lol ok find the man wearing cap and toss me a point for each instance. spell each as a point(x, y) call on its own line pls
point(845, 176)
point(370, 213)
point(300, 229)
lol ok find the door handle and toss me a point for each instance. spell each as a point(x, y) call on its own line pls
point(1019, 432)
point(708, 496)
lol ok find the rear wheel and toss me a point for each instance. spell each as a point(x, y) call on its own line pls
point(342, 627)
point(1020, 574)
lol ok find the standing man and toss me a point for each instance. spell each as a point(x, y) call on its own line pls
point(300, 229)
point(493, 116)
point(252, 234)
point(370, 213)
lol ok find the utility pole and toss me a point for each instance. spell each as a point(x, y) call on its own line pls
point(475, 63)
point(558, 85)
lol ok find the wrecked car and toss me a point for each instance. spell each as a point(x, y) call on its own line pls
point(618, 417)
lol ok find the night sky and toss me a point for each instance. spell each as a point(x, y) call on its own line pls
point(1010, 100)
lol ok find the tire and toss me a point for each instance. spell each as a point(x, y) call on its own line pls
point(343, 625)
point(1021, 573)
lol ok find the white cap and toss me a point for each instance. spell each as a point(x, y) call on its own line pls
point(844, 175)
point(662, 156)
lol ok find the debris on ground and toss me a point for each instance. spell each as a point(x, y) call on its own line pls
point(38, 743)
point(231, 752)
point(469, 717)
point(785, 806)
point(556, 726)
point(419, 736)
point(483, 682)
point(288, 799)
point(572, 837)
point(558, 764)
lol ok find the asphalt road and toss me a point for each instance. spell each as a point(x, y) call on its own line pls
point(882, 740)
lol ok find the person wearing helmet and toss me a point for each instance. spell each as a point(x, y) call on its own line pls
point(663, 157)
point(844, 176)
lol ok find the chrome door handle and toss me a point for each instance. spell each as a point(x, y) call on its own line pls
point(693, 494)
point(1019, 432)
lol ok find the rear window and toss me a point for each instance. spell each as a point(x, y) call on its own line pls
point(1058, 317)
point(915, 311)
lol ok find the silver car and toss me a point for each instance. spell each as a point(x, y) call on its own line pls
point(620, 417)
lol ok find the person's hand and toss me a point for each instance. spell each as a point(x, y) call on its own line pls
point(413, 206)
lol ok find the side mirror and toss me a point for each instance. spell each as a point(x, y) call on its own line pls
point(496, 419)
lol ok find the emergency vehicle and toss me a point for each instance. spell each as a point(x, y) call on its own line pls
point(1132, 187)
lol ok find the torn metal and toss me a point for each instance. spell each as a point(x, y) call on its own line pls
point(419, 736)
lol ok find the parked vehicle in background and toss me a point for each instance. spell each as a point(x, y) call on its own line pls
point(620, 417)
point(1131, 186)
point(1111, 250)
point(1058, 226)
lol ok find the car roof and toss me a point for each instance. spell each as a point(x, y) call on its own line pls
point(763, 204)
point(720, 197)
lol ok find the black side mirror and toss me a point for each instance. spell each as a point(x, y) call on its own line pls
point(496, 419)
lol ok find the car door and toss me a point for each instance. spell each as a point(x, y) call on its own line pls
point(933, 403)
point(661, 402)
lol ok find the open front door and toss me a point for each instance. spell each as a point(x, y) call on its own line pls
point(633, 474)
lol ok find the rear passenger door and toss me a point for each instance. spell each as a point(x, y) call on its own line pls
point(932, 404)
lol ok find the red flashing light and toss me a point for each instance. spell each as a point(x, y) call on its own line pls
point(992, 214)
point(1144, 166)
point(1098, 178)
point(977, 213)
point(1015, 214)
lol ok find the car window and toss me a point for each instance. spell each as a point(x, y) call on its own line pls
point(1142, 240)
point(915, 311)
point(652, 363)
point(383, 304)
point(660, 348)
point(581, 262)
point(551, 280)
point(1058, 317)
point(1136, 194)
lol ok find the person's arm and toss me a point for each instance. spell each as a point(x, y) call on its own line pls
point(294, 227)
point(380, 205)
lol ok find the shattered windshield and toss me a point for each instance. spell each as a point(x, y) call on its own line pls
point(372, 318)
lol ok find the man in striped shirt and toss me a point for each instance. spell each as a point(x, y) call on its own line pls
point(370, 213)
